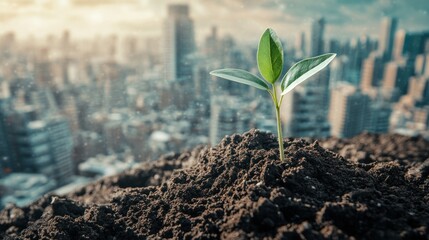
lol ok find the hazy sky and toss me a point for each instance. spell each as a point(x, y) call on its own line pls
point(246, 20)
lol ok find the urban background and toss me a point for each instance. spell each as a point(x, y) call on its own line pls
point(81, 99)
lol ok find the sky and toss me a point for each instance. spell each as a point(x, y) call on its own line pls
point(244, 19)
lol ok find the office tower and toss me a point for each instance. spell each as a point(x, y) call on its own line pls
point(372, 72)
point(348, 111)
point(305, 109)
point(412, 111)
point(419, 90)
point(179, 43)
point(300, 45)
point(316, 37)
point(399, 44)
point(421, 118)
point(227, 116)
point(32, 142)
point(334, 46)
point(43, 145)
point(387, 35)
point(43, 101)
point(303, 113)
point(201, 81)
point(68, 108)
point(337, 71)
point(60, 148)
point(43, 69)
point(378, 116)
point(114, 88)
point(211, 45)
point(113, 133)
point(421, 65)
point(396, 77)
point(409, 45)
point(7, 154)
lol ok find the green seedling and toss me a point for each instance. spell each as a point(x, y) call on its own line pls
point(270, 63)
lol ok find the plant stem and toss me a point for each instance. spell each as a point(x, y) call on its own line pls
point(279, 123)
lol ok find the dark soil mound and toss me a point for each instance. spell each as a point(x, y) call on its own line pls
point(240, 190)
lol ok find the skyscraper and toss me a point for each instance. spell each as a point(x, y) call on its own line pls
point(419, 90)
point(228, 116)
point(31, 141)
point(60, 147)
point(348, 111)
point(304, 112)
point(399, 44)
point(43, 145)
point(7, 155)
point(396, 77)
point(421, 65)
point(300, 45)
point(307, 113)
point(179, 43)
point(372, 72)
point(387, 35)
point(316, 37)
point(378, 116)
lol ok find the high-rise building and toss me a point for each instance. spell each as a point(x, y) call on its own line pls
point(421, 118)
point(337, 71)
point(419, 90)
point(43, 145)
point(43, 69)
point(303, 113)
point(211, 45)
point(372, 72)
point(300, 45)
point(227, 116)
point(387, 35)
point(399, 44)
point(7, 154)
point(409, 45)
point(316, 37)
point(60, 148)
point(179, 43)
point(421, 65)
point(32, 143)
point(395, 80)
point(305, 110)
point(348, 111)
point(69, 110)
point(114, 87)
point(411, 113)
point(378, 116)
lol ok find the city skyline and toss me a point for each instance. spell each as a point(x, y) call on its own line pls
point(76, 110)
point(86, 19)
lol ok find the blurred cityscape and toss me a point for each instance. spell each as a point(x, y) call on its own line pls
point(72, 111)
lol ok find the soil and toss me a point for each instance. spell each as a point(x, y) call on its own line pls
point(367, 187)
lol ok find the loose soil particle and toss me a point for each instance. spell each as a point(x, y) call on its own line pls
point(367, 187)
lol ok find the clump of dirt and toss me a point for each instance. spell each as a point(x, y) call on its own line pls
point(241, 190)
point(146, 174)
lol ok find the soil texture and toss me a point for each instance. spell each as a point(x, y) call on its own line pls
point(367, 187)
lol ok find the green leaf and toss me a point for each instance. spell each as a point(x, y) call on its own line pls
point(304, 69)
point(270, 56)
point(241, 76)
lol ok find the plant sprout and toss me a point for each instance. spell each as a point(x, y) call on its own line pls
point(270, 64)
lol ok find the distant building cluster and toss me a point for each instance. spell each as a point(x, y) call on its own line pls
point(72, 110)
point(376, 86)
